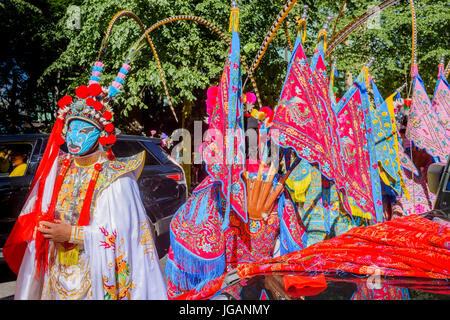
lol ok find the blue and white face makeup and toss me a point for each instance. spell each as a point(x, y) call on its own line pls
point(81, 136)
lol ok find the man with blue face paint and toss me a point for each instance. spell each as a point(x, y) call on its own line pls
point(83, 232)
point(82, 137)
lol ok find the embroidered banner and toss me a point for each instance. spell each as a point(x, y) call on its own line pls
point(224, 146)
point(441, 103)
point(320, 77)
point(385, 133)
point(423, 124)
point(300, 119)
point(360, 169)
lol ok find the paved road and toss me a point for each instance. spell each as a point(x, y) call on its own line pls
point(7, 282)
point(8, 279)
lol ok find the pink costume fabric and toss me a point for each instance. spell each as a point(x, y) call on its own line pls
point(441, 102)
point(424, 127)
point(300, 120)
point(208, 236)
point(360, 169)
point(421, 199)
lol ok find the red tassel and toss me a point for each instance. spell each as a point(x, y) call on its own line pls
point(86, 210)
point(42, 244)
point(111, 155)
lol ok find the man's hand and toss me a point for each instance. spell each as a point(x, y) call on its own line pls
point(57, 232)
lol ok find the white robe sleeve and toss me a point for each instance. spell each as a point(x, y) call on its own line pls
point(123, 259)
point(28, 286)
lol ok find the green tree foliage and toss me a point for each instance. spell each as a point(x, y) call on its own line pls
point(30, 42)
point(51, 60)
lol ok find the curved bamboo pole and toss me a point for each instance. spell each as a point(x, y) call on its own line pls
point(355, 24)
point(130, 14)
point(271, 33)
point(414, 34)
point(210, 26)
point(341, 10)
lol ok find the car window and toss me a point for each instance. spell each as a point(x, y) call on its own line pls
point(128, 148)
point(14, 159)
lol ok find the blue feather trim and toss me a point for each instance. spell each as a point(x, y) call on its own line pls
point(193, 271)
point(113, 91)
point(97, 68)
point(124, 71)
point(119, 80)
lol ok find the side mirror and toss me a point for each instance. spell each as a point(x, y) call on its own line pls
point(434, 176)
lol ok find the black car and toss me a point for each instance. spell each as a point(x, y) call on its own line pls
point(438, 178)
point(162, 182)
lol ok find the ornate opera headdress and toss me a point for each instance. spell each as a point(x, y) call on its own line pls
point(92, 105)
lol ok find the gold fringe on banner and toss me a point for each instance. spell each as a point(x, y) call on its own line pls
point(234, 20)
point(324, 34)
point(302, 29)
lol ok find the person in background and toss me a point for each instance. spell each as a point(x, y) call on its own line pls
point(19, 161)
point(4, 160)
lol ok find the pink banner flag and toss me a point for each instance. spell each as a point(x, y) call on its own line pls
point(441, 102)
point(300, 120)
point(423, 124)
point(360, 172)
point(223, 149)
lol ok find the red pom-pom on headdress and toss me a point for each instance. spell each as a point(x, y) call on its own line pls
point(97, 105)
point(90, 102)
point(82, 92)
point(64, 101)
point(111, 139)
point(107, 115)
point(59, 140)
point(103, 141)
point(110, 154)
point(109, 128)
point(95, 89)
point(212, 92)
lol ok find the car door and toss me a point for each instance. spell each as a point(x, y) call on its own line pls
point(158, 186)
point(14, 190)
